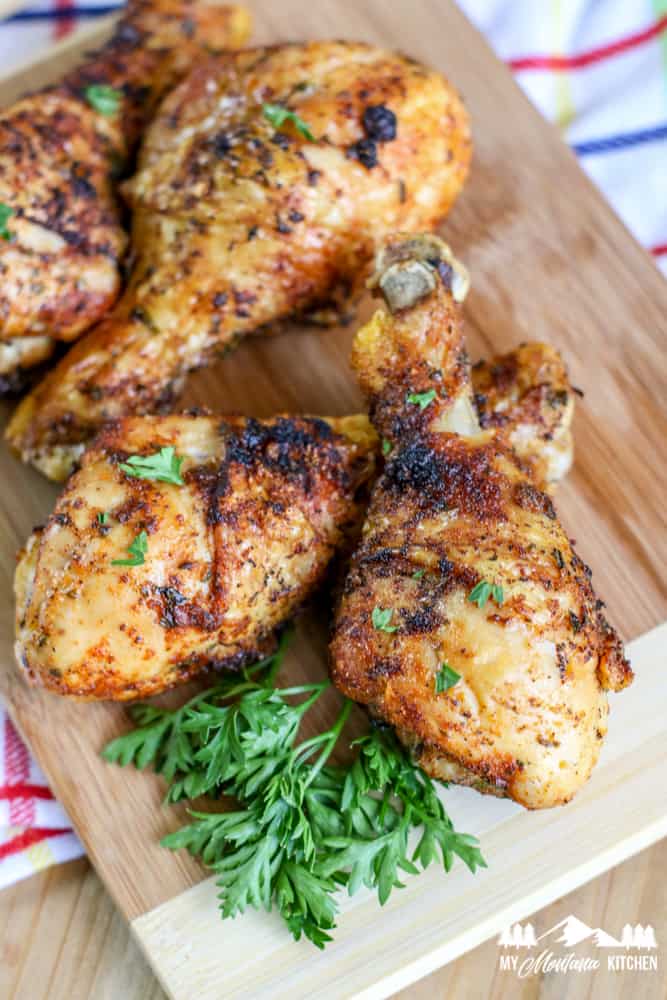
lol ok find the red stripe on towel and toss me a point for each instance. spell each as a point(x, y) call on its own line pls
point(28, 839)
point(64, 25)
point(17, 768)
point(24, 791)
point(584, 59)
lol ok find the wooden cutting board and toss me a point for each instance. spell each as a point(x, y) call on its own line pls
point(549, 260)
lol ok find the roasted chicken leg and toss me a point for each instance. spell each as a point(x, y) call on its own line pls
point(270, 536)
point(61, 148)
point(266, 182)
point(467, 622)
point(137, 584)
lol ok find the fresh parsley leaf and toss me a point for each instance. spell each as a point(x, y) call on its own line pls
point(5, 215)
point(302, 828)
point(157, 738)
point(137, 550)
point(445, 678)
point(386, 447)
point(381, 618)
point(277, 115)
point(164, 466)
point(421, 399)
point(373, 862)
point(418, 574)
point(102, 517)
point(383, 768)
point(306, 902)
point(482, 591)
point(104, 99)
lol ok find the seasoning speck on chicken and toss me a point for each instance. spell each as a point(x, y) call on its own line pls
point(136, 584)
point(237, 224)
point(459, 543)
point(62, 148)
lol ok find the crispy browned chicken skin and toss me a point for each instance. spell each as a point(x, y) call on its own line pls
point(230, 555)
point(78, 618)
point(239, 221)
point(60, 153)
point(527, 393)
point(455, 509)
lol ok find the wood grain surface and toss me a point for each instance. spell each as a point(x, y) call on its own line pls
point(549, 260)
point(62, 938)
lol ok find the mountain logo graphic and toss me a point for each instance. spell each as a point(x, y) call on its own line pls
point(571, 931)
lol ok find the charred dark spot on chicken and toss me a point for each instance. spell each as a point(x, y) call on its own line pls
point(365, 151)
point(379, 123)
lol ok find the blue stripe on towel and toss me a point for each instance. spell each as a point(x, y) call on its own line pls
point(622, 141)
point(56, 14)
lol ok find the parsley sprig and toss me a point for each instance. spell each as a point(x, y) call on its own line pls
point(5, 215)
point(446, 678)
point(302, 827)
point(483, 590)
point(278, 114)
point(164, 466)
point(104, 99)
point(421, 399)
point(137, 552)
point(381, 619)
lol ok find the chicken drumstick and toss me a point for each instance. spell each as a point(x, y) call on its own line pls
point(231, 552)
point(265, 185)
point(62, 238)
point(467, 622)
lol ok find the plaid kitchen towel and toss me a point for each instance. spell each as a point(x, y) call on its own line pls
point(597, 68)
point(34, 829)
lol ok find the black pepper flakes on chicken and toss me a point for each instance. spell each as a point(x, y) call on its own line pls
point(249, 476)
point(379, 123)
point(205, 184)
point(61, 150)
point(464, 567)
point(230, 555)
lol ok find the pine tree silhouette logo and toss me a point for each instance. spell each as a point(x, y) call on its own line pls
point(518, 936)
point(571, 931)
point(638, 936)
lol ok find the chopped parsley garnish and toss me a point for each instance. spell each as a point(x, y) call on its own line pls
point(480, 594)
point(164, 466)
point(386, 447)
point(445, 678)
point(418, 574)
point(5, 215)
point(300, 828)
point(103, 517)
point(104, 99)
point(137, 551)
point(421, 399)
point(277, 115)
point(381, 618)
